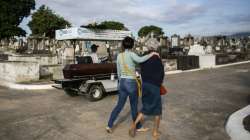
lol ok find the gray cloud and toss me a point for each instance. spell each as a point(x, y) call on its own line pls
point(242, 18)
point(132, 12)
point(179, 14)
point(176, 16)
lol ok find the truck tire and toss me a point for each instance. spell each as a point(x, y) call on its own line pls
point(71, 92)
point(95, 93)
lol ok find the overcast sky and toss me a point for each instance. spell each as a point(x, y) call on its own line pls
point(198, 17)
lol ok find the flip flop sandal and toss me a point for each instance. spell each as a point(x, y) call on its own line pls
point(109, 130)
point(142, 129)
point(158, 134)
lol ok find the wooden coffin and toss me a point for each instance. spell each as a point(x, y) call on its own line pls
point(81, 70)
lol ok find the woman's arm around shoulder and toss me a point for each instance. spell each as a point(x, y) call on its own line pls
point(142, 59)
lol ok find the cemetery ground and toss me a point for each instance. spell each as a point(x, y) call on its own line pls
point(196, 108)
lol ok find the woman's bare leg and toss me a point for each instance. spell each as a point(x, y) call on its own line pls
point(139, 118)
point(156, 132)
point(132, 129)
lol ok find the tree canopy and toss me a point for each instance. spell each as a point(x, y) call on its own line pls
point(45, 22)
point(145, 30)
point(12, 13)
point(112, 25)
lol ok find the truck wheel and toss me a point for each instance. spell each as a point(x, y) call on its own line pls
point(70, 92)
point(95, 93)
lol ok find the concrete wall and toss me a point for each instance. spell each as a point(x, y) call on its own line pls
point(19, 71)
point(52, 71)
point(42, 60)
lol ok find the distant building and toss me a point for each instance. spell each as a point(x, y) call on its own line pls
point(188, 40)
point(165, 42)
point(181, 42)
point(221, 40)
point(175, 41)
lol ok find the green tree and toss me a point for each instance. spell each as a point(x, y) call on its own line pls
point(45, 22)
point(12, 13)
point(112, 25)
point(144, 31)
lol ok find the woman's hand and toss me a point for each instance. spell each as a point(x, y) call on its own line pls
point(154, 53)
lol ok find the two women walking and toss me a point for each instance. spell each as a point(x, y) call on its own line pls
point(129, 86)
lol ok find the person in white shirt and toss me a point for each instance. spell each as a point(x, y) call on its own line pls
point(93, 54)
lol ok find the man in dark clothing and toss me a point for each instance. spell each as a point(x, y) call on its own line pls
point(152, 73)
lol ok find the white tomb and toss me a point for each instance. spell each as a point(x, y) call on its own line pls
point(196, 50)
point(206, 59)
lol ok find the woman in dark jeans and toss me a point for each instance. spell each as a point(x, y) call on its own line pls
point(152, 72)
point(127, 87)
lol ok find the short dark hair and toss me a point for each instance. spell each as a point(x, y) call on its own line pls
point(128, 42)
point(94, 48)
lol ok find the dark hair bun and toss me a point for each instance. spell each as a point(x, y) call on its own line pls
point(128, 42)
